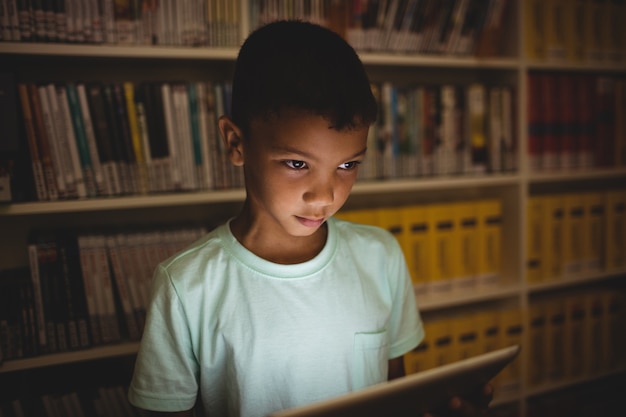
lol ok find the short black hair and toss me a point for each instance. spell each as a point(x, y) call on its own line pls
point(293, 64)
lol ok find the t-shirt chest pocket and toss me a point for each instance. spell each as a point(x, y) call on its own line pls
point(371, 354)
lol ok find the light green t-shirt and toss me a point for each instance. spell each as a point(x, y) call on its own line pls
point(247, 337)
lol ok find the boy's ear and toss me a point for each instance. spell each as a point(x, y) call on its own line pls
point(232, 138)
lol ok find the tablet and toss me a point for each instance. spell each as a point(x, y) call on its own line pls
point(416, 393)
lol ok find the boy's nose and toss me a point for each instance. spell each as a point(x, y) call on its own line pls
point(320, 193)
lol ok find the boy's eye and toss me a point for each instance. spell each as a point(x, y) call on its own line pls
point(295, 164)
point(349, 165)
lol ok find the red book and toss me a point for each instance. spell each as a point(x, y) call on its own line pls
point(551, 147)
point(586, 126)
point(605, 121)
point(567, 121)
point(535, 121)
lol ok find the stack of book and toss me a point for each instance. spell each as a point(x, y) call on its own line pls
point(429, 130)
point(213, 23)
point(576, 121)
point(450, 27)
point(97, 140)
point(83, 290)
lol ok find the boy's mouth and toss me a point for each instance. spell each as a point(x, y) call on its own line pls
point(310, 222)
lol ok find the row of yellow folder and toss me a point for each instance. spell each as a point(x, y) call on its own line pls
point(469, 333)
point(575, 336)
point(452, 246)
point(567, 337)
point(569, 234)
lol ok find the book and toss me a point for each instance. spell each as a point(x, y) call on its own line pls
point(555, 30)
point(466, 217)
point(537, 342)
point(550, 146)
point(512, 326)
point(552, 237)
point(496, 133)
point(573, 234)
point(465, 330)
point(49, 128)
point(62, 137)
point(135, 134)
point(88, 273)
point(615, 246)
point(556, 339)
point(121, 284)
point(534, 238)
point(492, 34)
point(593, 231)
point(43, 142)
point(104, 139)
point(10, 145)
point(77, 316)
point(442, 341)
point(594, 20)
point(417, 246)
point(575, 336)
point(70, 144)
point(37, 165)
point(80, 135)
point(125, 144)
point(477, 127)
point(567, 122)
point(443, 248)
point(535, 122)
point(605, 121)
point(91, 141)
point(490, 242)
point(109, 323)
point(585, 105)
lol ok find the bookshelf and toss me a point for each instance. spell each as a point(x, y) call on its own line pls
point(117, 63)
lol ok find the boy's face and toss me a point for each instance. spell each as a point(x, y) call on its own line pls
point(298, 171)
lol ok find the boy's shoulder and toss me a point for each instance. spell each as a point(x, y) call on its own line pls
point(200, 250)
point(358, 231)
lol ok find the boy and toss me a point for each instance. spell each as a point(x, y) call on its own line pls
point(283, 305)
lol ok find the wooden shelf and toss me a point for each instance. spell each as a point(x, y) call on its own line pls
point(95, 353)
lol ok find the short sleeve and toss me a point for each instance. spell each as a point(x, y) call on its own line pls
point(165, 375)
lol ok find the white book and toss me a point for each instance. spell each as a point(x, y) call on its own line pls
point(81, 188)
point(182, 119)
point(61, 139)
point(88, 272)
point(172, 134)
point(108, 22)
point(51, 133)
point(205, 126)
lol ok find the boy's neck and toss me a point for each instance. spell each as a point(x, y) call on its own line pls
point(283, 249)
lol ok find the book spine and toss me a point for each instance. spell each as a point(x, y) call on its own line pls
point(72, 144)
point(92, 147)
point(51, 135)
point(43, 143)
point(81, 139)
point(87, 273)
point(121, 287)
point(137, 143)
point(29, 125)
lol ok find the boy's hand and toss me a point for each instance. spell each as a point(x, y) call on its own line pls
point(471, 406)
